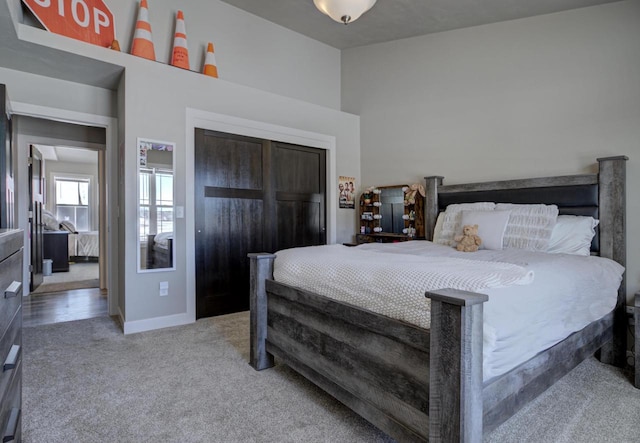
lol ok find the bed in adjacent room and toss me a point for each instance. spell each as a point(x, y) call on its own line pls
point(160, 250)
point(84, 246)
point(498, 326)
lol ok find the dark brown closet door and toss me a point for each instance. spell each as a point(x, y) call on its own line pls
point(251, 195)
point(229, 211)
point(299, 175)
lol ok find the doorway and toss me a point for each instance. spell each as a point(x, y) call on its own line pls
point(70, 258)
point(250, 195)
point(70, 215)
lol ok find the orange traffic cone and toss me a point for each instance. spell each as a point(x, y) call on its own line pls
point(142, 42)
point(180, 57)
point(210, 67)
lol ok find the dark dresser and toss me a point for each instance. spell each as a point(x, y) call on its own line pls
point(11, 334)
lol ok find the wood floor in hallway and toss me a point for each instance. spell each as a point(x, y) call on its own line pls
point(57, 307)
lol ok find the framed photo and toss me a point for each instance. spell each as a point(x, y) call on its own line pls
point(346, 192)
point(146, 145)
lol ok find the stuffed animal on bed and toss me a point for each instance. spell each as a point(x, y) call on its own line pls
point(469, 241)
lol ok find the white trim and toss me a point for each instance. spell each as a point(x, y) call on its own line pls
point(234, 125)
point(111, 129)
point(149, 324)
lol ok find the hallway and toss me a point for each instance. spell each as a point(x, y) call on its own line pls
point(58, 307)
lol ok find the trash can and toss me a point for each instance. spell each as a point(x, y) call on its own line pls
point(46, 266)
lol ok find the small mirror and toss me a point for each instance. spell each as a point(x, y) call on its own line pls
point(156, 219)
point(392, 209)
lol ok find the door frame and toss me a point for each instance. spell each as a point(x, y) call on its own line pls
point(108, 226)
point(212, 121)
point(34, 220)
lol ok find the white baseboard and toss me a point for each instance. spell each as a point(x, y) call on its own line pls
point(149, 324)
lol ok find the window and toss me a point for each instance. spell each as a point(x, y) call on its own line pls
point(156, 202)
point(72, 201)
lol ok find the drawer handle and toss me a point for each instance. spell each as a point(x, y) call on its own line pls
point(12, 426)
point(12, 358)
point(13, 289)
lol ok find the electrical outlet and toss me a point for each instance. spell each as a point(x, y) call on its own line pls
point(164, 288)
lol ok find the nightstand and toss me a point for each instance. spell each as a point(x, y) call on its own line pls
point(55, 246)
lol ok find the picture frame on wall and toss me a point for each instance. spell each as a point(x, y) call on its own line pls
point(346, 192)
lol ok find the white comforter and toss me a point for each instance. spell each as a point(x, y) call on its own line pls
point(84, 244)
point(535, 299)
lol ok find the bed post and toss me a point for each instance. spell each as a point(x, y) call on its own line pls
point(455, 366)
point(431, 204)
point(261, 270)
point(613, 245)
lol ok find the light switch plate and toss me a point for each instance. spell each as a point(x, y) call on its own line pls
point(179, 211)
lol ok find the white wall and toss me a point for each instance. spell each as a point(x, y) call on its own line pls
point(540, 96)
point(45, 91)
point(249, 50)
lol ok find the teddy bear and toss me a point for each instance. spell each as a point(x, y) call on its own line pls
point(469, 241)
point(410, 193)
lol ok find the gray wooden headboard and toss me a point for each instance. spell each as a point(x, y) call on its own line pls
point(600, 195)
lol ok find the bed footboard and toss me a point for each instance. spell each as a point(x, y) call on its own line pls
point(261, 269)
point(455, 395)
point(379, 367)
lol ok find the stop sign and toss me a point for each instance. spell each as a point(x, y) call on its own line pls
point(87, 20)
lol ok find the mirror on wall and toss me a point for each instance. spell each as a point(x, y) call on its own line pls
point(392, 209)
point(156, 220)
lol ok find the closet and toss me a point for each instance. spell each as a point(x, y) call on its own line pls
point(251, 195)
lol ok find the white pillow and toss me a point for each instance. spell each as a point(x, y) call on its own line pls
point(50, 221)
point(66, 225)
point(529, 226)
point(491, 226)
point(451, 221)
point(438, 227)
point(573, 234)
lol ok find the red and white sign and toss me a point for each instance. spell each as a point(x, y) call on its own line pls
point(87, 20)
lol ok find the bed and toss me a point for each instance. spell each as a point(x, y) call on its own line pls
point(419, 384)
point(160, 250)
point(84, 246)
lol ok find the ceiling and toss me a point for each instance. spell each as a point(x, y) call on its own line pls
point(395, 19)
point(68, 155)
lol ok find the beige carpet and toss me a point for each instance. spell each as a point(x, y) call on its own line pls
point(85, 381)
point(80, 276)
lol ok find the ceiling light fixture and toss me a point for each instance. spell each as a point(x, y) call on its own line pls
point(344, 11)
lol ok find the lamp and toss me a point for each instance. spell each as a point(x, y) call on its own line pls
point(344, 11)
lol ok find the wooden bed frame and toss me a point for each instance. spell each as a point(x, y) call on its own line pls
point(426, 385)
point(159, 257)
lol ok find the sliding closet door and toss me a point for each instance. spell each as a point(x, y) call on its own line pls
point(299, 176)
point(251, 195)
point(230, 186)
